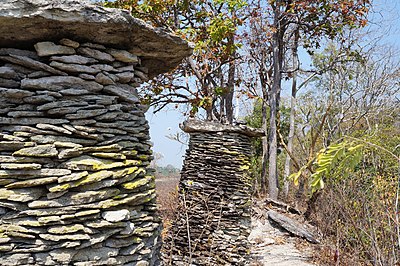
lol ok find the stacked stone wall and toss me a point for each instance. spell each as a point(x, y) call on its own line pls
point(215, 198)
point(74, 151)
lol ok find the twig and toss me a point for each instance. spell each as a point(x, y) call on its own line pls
point(187, 228)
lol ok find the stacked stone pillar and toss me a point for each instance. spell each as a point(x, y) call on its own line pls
point(215, 197)
point(75, 188)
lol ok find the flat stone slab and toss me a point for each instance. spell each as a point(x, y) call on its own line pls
point(50, 20)
point(193, 125)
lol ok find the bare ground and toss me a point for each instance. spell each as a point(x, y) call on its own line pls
point(275, 247)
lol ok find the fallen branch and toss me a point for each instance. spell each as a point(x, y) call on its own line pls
point(283, 206)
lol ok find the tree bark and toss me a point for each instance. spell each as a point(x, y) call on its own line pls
point(264, 163)
point(231, 85)
point(292, 115)
point(274, 100)
point(229, 95)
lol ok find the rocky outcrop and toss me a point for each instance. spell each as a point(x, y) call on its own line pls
point(215, 196)
point(74, 149)
point(26, 22)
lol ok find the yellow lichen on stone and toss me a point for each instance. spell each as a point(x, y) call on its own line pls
point(109, 155)
point(143, 157)
point(95, 164)
point(244, 167)
point(127, 171)
point(138, 198)
point(85, 213)
point(13, 228)
point(60, 188)
point(130, 153)
point(226, 151)
point(136, 240)
point(92, 178)
point(66, 229)
point(30, 223)
point(138, 183)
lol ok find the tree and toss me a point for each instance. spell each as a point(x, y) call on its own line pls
point(354, 97)
point(313, 21)
point(256, 120)
point(157, 158)
point(207, 80)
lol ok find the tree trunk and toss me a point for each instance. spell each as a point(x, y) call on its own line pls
point(230, 85)
point(273, 147)
point(223, 98)
point(292, 115)
point(229, 95)
point(264, 163)
point(290, 137)
point(274, 100)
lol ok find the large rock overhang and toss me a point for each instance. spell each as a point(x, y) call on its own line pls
point(37, 20)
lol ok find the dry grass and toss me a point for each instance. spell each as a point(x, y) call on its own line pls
point(167, 198)
point(357, 219)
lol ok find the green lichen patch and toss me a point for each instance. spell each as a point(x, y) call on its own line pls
point(18, 231)
point(123, 242)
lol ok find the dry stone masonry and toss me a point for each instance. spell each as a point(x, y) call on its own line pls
point(74, 143)
point(215, 196)
point(73, 155)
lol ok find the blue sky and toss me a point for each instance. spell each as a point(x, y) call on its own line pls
point(162, 124)
point(386, 21)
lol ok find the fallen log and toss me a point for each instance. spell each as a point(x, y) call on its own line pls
point(292, 226)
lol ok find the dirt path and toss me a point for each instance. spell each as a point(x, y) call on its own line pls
point(275, 247)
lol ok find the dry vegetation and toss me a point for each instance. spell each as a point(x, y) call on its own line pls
point(167, 197)
point(358, 215)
